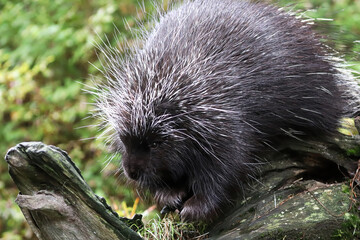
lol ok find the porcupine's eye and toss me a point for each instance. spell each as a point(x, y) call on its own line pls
point(154, 145)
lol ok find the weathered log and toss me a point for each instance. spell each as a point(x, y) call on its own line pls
point(297, 195)
point(281, 207)
point(56, 201)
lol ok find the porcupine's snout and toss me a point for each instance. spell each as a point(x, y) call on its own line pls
point(135, 162)
point(133, 169)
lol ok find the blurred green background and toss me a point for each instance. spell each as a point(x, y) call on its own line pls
point(46, 47)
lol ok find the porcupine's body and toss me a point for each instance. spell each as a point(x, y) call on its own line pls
point(208, 87)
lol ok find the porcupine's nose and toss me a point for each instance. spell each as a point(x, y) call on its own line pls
point(133, 165)
point(134, 173)
point(131, 170)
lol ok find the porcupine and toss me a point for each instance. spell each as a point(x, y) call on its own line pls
point(206, 90)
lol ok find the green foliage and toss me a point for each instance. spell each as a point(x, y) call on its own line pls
point(337, 20)
point(45, 50)
point(350, 228)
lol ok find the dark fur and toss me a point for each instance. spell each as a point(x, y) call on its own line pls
point(209, 87)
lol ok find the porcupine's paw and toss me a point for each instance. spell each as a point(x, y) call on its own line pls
point(171, 201)
point(197, 208)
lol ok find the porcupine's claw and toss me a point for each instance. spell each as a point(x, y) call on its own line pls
point(166, 209)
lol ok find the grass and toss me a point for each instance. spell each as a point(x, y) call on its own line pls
point(170, 227)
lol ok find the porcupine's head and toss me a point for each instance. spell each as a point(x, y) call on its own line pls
point(141, 129)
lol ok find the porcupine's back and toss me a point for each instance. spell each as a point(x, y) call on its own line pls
point(240, 68)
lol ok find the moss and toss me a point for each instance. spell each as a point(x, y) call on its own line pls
point(353, 152)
